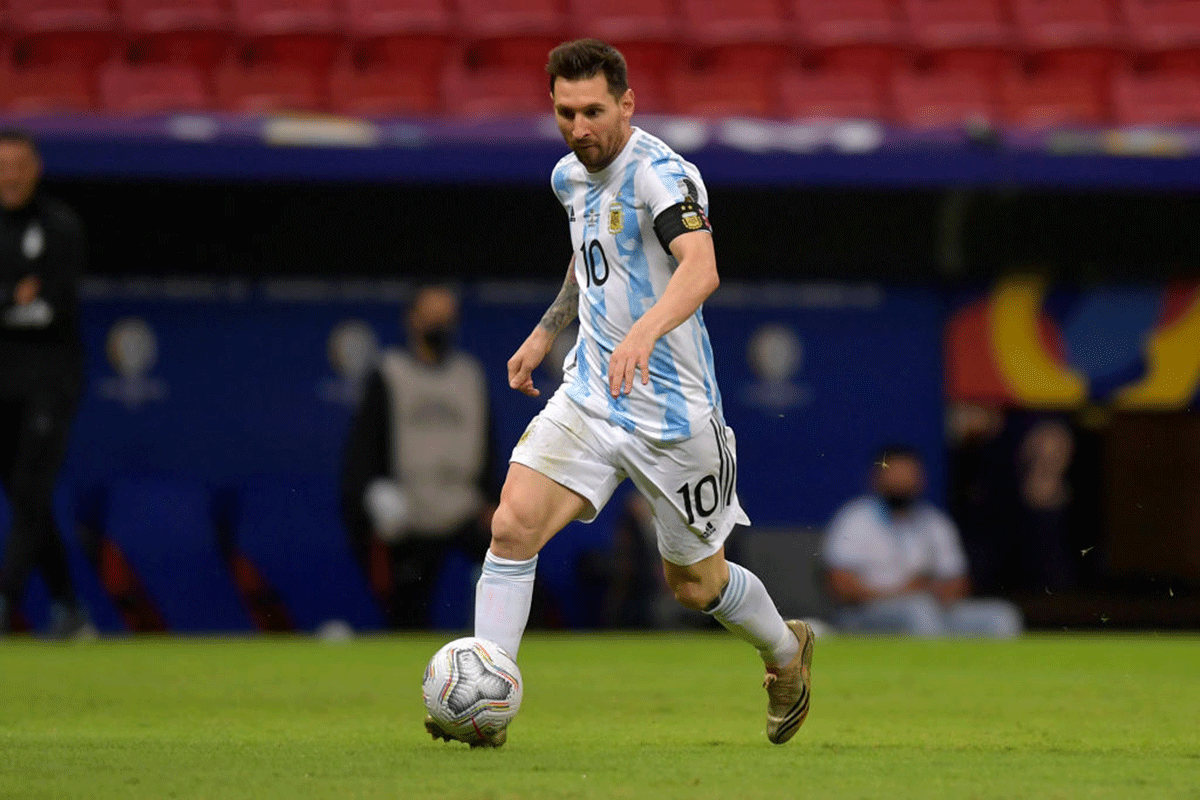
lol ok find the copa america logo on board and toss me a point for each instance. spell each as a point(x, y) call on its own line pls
point(132, 350)
point(776, 356)
point(353, 350)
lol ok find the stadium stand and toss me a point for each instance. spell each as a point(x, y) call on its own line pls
point(1080, 35)
point(182, 31)
point(307, 32)
point(496, 90)
point(970, 34)
point(56, 31)
point(1169, 97)
point(152, 88)
point(649, 33)
point(720, 92)
point(942, 98)
point(275, 87)
point(627, 21)
point(411, 33)
point(383, 90)
point(65, 88)
point(751, 34)
point(831, 94)
point(864, 34)
point(1167, 32)
point(1049, 98)
point(396, 57)
point(517, 33)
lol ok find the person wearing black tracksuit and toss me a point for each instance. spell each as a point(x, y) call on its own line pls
point(41, 377)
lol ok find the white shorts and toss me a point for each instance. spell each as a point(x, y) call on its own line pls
point(691, 484)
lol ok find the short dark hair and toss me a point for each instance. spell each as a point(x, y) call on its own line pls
point(586, 58)
point(16, 136)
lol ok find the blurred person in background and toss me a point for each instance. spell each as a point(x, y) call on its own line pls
point(1012, 497)
point(41, 377)
point(895, 563)
point(417, 468)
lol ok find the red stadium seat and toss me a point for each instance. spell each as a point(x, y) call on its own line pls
point(383, 91)
point(152, 88)
point(488, 19)
point(496, 91)
point(1168, 30)
point(401, 32)
point(1048, 98)
point(831, 94)
point(55, 16)
point(43, 89)
point(942, 98)
point(1070, 34)
point(189, 31)
point(647, 32)
point(277, 87)
point(856, 34)
point(749, 34)
point(720, 22)
point(1156, 98)
point(366, 18)
point(626, 20)
point(643, 57)
point(963, 33)
point(58, 31)
point(515, 33)
point(306, 32)
point(720, 92)
point(649, 91)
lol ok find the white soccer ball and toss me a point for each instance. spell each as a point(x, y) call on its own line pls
point(472, 688)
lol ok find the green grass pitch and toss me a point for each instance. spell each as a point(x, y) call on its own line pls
point(654, 716)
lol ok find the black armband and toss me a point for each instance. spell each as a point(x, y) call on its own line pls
point(679, 219)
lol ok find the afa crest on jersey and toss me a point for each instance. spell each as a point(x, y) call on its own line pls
point(692, 216)
point(616, 218)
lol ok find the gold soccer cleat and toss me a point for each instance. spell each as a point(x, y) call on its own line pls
point(788, 688)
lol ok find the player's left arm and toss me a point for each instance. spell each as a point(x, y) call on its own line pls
point(694, 280)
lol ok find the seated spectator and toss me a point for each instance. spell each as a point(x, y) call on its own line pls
point(895, 564)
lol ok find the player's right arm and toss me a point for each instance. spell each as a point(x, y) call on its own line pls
point(559, 315)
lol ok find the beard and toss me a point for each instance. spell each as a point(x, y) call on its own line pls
point(593, 155)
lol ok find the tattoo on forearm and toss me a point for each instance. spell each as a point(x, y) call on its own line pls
point(565, 307)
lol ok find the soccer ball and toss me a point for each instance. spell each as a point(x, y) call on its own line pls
point(472, 689)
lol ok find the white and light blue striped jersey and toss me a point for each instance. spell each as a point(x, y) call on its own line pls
point(622, 270)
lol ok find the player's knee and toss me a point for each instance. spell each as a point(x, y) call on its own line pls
point(514, 535)
point(696, 595)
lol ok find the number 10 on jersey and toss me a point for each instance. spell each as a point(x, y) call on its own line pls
point(595, 262)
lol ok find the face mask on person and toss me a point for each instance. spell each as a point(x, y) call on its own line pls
point(899, 501)
point(439, 340)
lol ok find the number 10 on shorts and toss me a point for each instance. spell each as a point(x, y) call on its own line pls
point(700, 499)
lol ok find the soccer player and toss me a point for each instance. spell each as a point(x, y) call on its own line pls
point(639, 397)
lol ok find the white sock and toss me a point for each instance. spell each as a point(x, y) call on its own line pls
point(746, 609)
point(502, 600)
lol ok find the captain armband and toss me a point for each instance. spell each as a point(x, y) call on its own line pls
point(681, 218)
